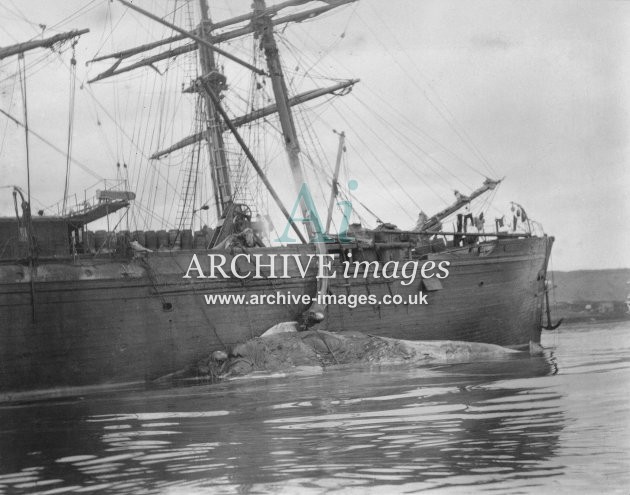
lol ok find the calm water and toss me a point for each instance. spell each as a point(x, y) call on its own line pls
point(555, 424)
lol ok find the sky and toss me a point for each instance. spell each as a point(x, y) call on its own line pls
point(541, 89)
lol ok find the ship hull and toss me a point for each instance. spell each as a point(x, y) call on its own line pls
point(107, 322)
point(494, 294)
point(98, 322)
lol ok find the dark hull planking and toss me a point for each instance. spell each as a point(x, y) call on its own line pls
point(104, 321)
point(494, 297)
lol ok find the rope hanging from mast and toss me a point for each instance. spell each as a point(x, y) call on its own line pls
point(253, 161)
point(22, 75)
point(26, 209)
point(73, 71)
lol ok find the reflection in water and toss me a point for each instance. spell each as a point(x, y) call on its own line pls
point(505, 425)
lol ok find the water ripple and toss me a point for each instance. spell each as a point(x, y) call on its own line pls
point(556, 423)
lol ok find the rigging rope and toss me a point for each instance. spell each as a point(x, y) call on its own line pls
point(22, 73)
point(405, 141)
point(452, 123)
point(73, 72)
point(4, 133)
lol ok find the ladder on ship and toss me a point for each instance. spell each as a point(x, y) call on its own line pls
point(190, 172)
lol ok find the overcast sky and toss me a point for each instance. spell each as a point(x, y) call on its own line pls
point(540, 87)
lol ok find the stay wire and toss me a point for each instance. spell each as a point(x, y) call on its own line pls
point(73, 66)
point(405, 142)
point(26, 131)
point(450, 122)
point(378, 115)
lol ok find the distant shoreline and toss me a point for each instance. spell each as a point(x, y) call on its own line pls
point(590, 286)
point(590, 296)
point(576, 312)
point(591, 319)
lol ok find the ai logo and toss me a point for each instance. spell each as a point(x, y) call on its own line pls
point(313, 217)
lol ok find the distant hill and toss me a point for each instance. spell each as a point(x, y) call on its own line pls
point(591, 285)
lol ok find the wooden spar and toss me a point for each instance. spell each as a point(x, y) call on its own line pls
point(411, 244)
point(193, 36)
point(138, 49)
point(45, 43)
point(172, 39)
point(264, 30)
point(145, 62)
point(252, 160)
point(334, 189)
point(274, 9)
point(300, 16)
point(213, 132)
point(461, 234)
point(258, 114)
point(219, 38)
point(488, 185)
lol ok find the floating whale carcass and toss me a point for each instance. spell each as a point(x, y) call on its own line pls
point(290, 351)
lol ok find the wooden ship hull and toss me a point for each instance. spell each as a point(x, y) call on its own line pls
point(96, 321)
point(494, 294)
point(100, 322)
point(73, 315)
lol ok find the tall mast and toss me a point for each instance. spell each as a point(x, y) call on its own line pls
point(263, 27)
point(259, 114)
point(122, 55)
point(213, 82)
point(214, 137)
